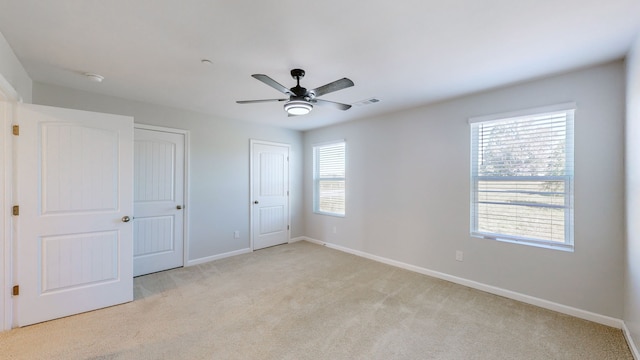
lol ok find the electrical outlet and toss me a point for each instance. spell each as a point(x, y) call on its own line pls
point(459, 255)
point(236, 234)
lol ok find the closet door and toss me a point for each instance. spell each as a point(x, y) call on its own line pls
point(159, 168)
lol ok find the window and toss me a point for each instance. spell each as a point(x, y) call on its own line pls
point(329, 179)
point(522, 177)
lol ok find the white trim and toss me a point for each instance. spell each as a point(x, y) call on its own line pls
point(4, 220)
point(546, 304)
point(544, 244)
point(7, 91)
point(313, 241)
point(316, 177)
point(6, 239)
point(299, 238)
point(160, 128)
point(560, 116)
point(328, 142)
point(630, 342)
point(218, 257)
point(186, 193)
point(9, 97)
point(252, 142)
point(527, 112)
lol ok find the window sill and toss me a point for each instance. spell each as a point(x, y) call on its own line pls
point(539, 244)
point(328, 214)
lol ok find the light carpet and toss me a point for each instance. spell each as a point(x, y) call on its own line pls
point(304, 301)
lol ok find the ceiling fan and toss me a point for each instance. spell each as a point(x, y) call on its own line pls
point(301, 100)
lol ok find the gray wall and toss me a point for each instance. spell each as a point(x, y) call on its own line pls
point(408, 192)
point(632, 273)
point(219, 165)
point(408, 184)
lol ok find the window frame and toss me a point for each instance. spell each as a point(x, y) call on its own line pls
point(568, 245)
point(317, 179)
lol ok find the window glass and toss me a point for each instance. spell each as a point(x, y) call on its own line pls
point(522, 179)
point(329, 178)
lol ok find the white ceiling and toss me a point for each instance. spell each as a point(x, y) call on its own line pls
point(406, 52)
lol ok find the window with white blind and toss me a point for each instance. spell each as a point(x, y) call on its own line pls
point(522, 177)
point(329, 178)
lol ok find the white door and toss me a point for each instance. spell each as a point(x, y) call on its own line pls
point(158, 201)
point(75, 192)
point(270, 191)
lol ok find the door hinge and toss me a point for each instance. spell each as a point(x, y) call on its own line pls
point(287, 192)
point(16, 210)
point(16, 290)
point(287, 227)
point(16, 130)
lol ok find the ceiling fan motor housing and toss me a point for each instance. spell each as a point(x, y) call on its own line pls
point(297, 74)
point(299, 92)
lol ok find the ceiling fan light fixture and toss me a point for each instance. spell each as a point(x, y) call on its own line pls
point(297, 107)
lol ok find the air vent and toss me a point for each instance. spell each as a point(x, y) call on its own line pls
point(366, 102)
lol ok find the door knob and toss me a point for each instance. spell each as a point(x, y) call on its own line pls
point(179, 207)
point(126, 219)
point(255, 202)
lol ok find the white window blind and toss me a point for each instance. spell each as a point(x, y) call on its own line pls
point(522, 178)
point(329, 178)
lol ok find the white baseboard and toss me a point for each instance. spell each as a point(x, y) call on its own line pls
point(314, 241)
point(218, 257)
point(296, 239)
point(546, 304)
point(630, 342)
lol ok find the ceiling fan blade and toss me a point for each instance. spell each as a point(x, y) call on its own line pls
point(333, 86)
point(337, 105)
point(259, 101)
point(274, 84)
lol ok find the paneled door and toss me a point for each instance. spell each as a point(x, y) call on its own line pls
point(270, 193)
point(158, 200)
point(75, 191)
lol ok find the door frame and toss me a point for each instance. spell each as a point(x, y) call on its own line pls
point(185, 206)
point(252, 143)
point(8, 97)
